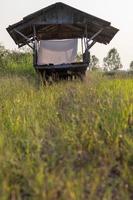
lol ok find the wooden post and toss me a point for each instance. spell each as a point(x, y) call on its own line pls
point(85, 44)
point(35, 47)
point(86, 34)
point(82, 47)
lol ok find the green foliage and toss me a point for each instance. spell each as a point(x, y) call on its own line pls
point(16, 62)
point(131, 65)
point(112, 61)
point(3, 56)
point(94, 63)
point(70, 141)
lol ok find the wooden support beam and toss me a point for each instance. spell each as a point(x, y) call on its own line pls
point(25, 43)
point(27, 40)
point(91, 45)
point(21, 45)
point(88, 46)
point(21, 34)
point(95, 35)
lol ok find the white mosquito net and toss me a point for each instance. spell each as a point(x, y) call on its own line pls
point(57, 51)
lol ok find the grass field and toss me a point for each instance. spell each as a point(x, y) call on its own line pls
point(68, 141)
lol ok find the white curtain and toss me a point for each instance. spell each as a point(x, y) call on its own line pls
point(57, 51)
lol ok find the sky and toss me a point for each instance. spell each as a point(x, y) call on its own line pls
point(118, 12)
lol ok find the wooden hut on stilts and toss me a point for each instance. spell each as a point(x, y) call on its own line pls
point(54, 32)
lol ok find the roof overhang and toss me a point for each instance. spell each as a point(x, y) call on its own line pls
point(60, 21)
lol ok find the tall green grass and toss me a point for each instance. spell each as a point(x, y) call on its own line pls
point(71, 140)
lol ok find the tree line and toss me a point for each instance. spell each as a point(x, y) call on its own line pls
point(111, 62)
